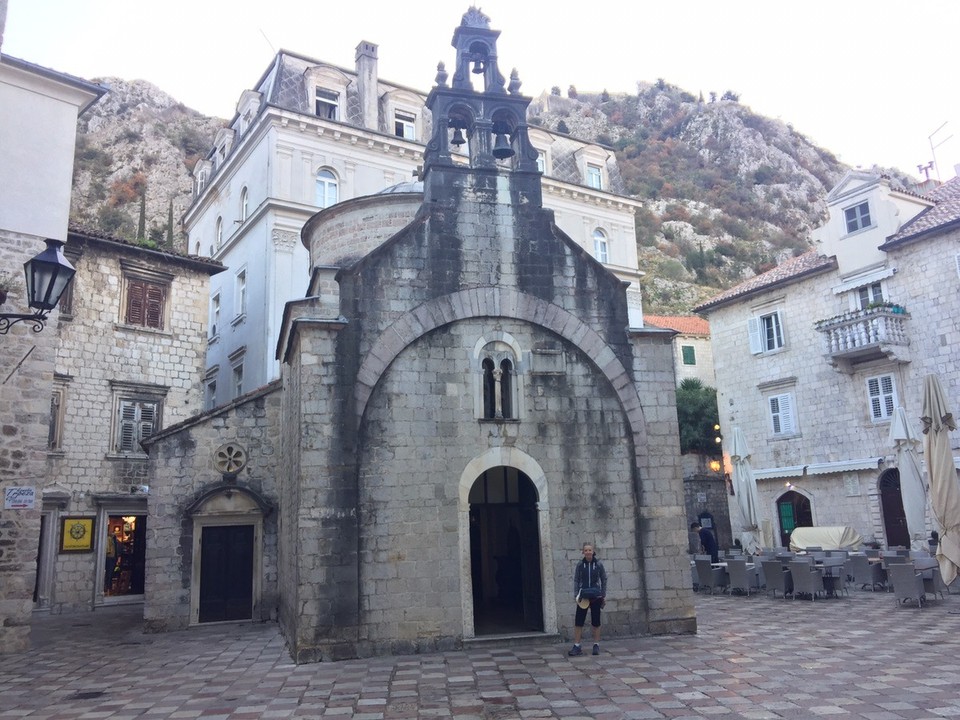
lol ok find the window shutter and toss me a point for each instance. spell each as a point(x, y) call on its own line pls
point(786, 414)
point(775, 415)
point(753, 330)
point(127, 435)
point(136, 302)
point(155, 295)
point(148, 420)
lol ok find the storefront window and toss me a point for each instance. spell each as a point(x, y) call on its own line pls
point(125, 552)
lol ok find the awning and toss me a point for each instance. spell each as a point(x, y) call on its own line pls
point(844, 466)
point(779, 472)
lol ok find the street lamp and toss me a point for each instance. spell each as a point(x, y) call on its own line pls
point(47, 276)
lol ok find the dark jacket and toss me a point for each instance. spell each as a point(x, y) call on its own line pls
point(590, 574)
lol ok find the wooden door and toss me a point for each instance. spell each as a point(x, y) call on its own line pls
point(226, 573)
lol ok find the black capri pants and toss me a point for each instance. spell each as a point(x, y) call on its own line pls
point(581, 615)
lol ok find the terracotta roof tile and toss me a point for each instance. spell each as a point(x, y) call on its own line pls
point(810, 263)
point(945, 212)
point(684, 324)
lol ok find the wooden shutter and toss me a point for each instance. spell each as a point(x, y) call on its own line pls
point(753, 330)
point(155, 298)
point(127, 433)
point(148, 420)
point(136, 302)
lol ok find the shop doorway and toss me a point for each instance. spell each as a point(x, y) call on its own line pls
point(505, 553)
point(226, 573)
point(891, 509)
point(793, 511)
point(125, 552)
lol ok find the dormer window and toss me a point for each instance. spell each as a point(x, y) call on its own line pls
point(595, 176)
point(405, 125)
point(857, 217)
point(327, 104)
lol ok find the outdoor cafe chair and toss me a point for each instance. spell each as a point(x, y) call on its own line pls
point(907, 583)
point(807, 580)
point(742, 578)
point(777, 577)
point(864, 572)
point(933, 582)
point(709, 577)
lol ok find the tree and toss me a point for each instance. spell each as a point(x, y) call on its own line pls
point(731, 95)
point(562, 127)
point(604, 96)
point(555, 90)
point(142, 221)
point(696, 416)
point(170, 225)
point(572, 92)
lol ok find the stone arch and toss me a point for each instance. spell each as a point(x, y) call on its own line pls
point(499, 302)
point(510, 457)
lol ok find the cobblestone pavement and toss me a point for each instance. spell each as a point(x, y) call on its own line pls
point(853, 657)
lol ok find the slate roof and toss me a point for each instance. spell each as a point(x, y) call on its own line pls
point(683, 324)
point(945, 213)
point(810, 263)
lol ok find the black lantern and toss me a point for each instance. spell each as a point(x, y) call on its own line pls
point(47, 277)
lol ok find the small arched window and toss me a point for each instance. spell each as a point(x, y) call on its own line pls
point(497, 389)
point(197, 248)
point(219, 232)
point(328, 189)
point(243, 204)
point(600, 246)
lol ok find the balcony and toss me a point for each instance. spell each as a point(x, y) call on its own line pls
point(862, 335)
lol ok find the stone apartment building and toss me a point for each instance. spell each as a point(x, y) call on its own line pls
point(813, 357)
point(310, 134)
point(692, 351)
point(38, 116)
point(128, 361)
point(463, 401)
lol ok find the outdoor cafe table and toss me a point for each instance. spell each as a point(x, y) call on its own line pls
point(832, 569)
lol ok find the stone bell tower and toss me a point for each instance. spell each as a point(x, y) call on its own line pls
point(490, 120)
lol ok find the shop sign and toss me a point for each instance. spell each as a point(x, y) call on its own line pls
point(19, 498)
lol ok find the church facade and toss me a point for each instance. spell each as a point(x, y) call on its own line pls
point(461, 405)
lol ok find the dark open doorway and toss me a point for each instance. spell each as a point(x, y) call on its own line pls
point(891, 507)
point(226, 573)
point(505, 553)
point(794, 511)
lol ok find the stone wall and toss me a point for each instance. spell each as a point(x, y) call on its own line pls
point(26, 365)
point(99, 357)
point(181, 471)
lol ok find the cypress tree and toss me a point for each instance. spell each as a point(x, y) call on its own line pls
point(142, 221)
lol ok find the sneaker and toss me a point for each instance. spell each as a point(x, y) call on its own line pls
point(576, 650)
point(596, 648)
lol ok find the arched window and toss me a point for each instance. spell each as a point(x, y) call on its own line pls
point(497, 389)
point(219, 232)
point(328, 189)
point(243, 204)
point(600, 246)
point(197, 250)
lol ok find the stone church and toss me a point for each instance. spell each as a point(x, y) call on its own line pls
point(462, 404)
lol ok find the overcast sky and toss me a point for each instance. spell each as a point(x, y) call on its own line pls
point(870, 80)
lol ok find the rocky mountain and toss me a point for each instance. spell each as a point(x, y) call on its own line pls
point(728, 193)
point(136, 148)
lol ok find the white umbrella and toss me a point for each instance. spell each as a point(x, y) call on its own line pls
point(912, 489)
point(944, 492)
point(745, 488)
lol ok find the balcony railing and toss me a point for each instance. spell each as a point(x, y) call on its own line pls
point(861, 335)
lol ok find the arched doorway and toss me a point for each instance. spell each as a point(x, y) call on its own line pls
point(505, 553)
point(891, 509)
point(793, 511)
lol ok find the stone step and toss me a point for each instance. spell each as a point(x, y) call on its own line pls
point(512, 640)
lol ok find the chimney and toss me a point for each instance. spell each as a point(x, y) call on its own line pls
point(367, 84)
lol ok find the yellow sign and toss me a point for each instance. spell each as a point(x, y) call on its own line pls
point(76, 534)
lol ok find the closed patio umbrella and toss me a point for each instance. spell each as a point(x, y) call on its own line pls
point(912, 490)
point(745, 488)
point(944, 491)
